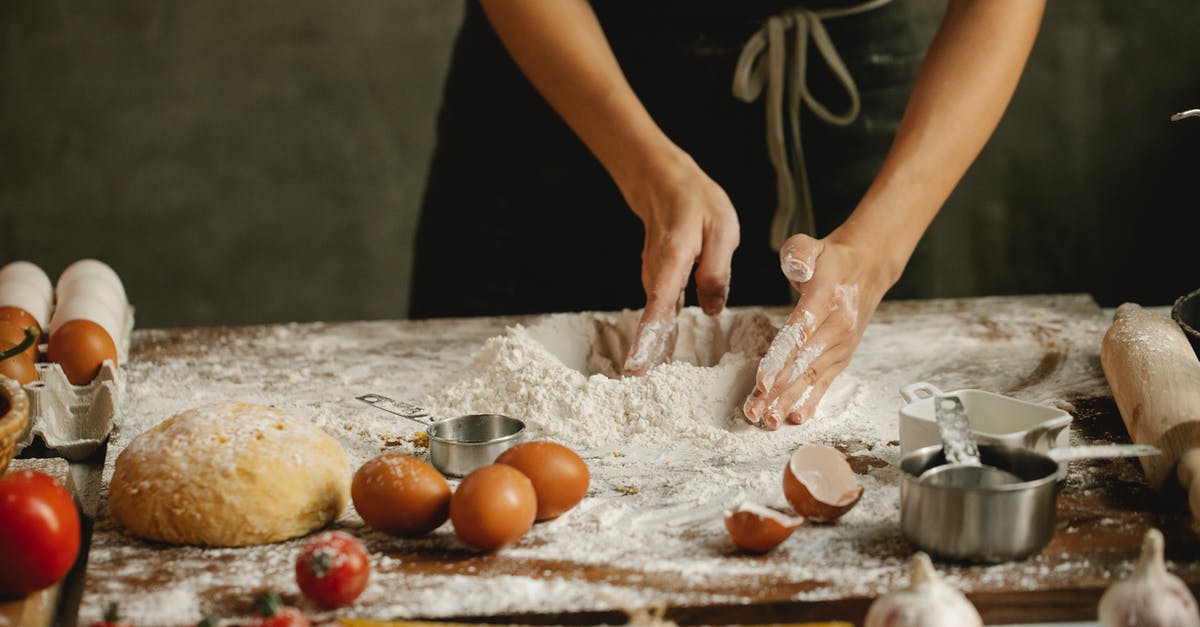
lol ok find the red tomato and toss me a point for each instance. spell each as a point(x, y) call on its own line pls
point(112, 618)
point(276, 614)
point(285, 617)
point(332, 569)
point(39, 532)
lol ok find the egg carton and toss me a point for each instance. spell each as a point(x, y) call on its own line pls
point(74, 420)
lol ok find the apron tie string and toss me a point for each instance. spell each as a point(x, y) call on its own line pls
point(764, 61)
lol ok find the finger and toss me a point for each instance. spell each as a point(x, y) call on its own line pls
point(812, 399)
point(810, 313)
point(714, 269)
point(755, 412)
point(664, 271)
point(838, 324)
point(788, 400)
point(653, 345)
point(798, 258)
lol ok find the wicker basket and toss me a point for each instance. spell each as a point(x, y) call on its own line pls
point(14, 413)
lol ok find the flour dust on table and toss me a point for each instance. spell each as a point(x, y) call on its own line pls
point(668, 454)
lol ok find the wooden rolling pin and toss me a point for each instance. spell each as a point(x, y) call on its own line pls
point(1155, 379)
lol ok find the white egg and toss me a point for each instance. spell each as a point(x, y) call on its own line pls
point(90, 286)
point(28, 296)
point(91, 268)
point(30, 273)
point(88, 308)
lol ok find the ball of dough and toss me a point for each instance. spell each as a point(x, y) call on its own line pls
point(229, 474)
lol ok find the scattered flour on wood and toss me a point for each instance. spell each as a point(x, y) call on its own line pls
point(668, 453)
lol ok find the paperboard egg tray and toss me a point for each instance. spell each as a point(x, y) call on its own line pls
point(73, 420)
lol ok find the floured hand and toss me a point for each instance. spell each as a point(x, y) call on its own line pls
point(689, 223)
point(839, 291)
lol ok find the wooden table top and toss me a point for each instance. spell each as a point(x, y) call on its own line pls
point(1038, 348)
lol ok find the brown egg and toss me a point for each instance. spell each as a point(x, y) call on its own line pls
point(493, 507)
point(757, 529)
point(80, 347)
point(559, 476)
point(400, 495)
point(819, 483)
point(19, 317)
point(12, 335)
point(19, 367)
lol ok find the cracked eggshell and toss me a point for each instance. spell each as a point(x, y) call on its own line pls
point(757, 529)
point(819, 483)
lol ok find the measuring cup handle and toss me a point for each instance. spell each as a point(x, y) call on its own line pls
point(1048, 431)
point(399, 408)
point(913, 391)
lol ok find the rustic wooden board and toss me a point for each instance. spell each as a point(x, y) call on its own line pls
point(38, 609)
point(1040, 348)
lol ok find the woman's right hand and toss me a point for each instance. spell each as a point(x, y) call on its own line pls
point(688, 219)
point(689, 223)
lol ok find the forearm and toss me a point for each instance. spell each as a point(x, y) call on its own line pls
point(961, 91)
point(561, 48)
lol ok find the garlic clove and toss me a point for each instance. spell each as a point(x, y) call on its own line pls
point(757, 529)
point(1150, 596)
point(927, 602)
point(819, 483)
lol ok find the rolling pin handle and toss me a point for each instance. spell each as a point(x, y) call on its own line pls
point(1188, 471)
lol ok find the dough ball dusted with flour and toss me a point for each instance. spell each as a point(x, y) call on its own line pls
point(229, 474)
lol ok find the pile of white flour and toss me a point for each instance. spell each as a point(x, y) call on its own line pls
point(561, 376)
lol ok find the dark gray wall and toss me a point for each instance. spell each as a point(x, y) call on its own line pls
point(1087, 185)
point(234, 161)
point(263, 161)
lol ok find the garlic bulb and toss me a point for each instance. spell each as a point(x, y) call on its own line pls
point(1150, 597)
point(927, 602)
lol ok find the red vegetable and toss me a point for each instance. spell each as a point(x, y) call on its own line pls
point(39, 532)
point(276, 614)
point(112, 618)
point(332, 569)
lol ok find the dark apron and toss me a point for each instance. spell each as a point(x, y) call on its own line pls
point(518, 217)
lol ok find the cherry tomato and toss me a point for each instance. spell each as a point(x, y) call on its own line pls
point(39, 532)
point(276, 614)
point(112, 618)
point(285, 617)
point(332, 569)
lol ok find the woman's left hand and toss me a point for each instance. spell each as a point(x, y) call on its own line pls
point(840, 285)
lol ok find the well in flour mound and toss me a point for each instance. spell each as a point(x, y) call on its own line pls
point(560, 375)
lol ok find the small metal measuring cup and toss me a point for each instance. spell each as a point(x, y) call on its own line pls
point(459, 444)
point(992, 522)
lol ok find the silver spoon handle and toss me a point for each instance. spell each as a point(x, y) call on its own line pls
point(405, 410)
point(957, 440)
point(1190, 113)
point(1100, 451)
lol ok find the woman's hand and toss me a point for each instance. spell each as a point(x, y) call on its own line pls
point(689, 222)
point(966, 80)
point(840, 285)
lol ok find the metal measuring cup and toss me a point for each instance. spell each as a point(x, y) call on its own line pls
point(459, 444)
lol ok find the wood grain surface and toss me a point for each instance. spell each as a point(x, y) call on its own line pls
point(1050, 354)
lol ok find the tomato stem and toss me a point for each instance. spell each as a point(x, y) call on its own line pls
point(321, 562)
point(268, 603)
